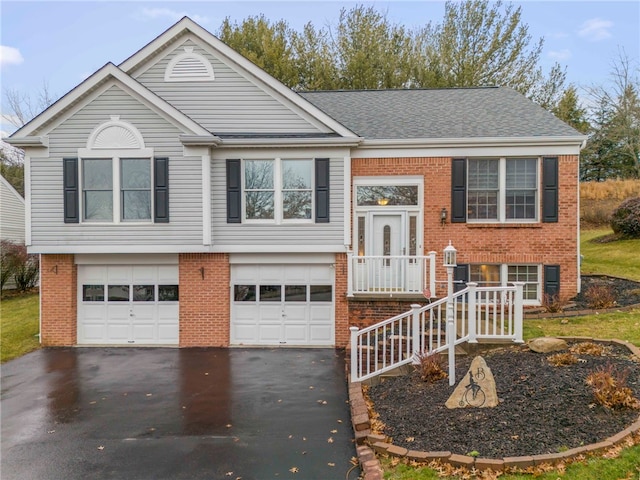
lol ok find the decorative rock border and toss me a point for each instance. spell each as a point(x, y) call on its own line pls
point(369, 444)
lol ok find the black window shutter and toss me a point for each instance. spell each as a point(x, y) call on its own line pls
point(322, 190)
point(234, 191)
point(459, 190)
point(71, 198)
point(551, 280)
point(550, 189)
point(161, 190)
point(461, 277)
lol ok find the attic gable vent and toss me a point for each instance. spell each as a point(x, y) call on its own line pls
point(115, 134)
point(189, 67)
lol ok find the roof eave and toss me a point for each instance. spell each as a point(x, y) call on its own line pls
point(24, 142)
point(578, 140)
point(291, 142)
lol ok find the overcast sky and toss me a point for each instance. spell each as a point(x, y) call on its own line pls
point(62, 43)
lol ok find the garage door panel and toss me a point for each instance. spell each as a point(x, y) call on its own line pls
point(167, 333)
point(303, 314)
point(118, 332)
point(119, 274)
point(296, 333)
point(168, 275)
point(115, 312)
point(144, 332)
point(321, 314)
point(269, 334)
point(270, 274)
point(319, 334)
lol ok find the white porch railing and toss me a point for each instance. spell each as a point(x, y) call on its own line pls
point(491, 313)
point(391, 274)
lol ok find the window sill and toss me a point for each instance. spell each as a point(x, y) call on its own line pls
point(504, 225)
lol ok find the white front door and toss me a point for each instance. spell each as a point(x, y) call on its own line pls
point(388, 239)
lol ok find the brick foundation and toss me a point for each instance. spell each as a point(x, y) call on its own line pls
point(204, 299)
point(58, 297)
point(366, 312)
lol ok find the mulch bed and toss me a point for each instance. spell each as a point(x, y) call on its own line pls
point(543, 409)
point(626, 292)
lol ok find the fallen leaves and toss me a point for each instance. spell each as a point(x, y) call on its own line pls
point(330, 440)
point(294, 470)
point(101, 447)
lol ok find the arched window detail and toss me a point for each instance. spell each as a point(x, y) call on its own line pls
point(115, 134)
point(189, 67)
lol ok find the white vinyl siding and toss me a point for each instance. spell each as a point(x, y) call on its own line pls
point(286, 233)
point(232, 103)
point(185, 184)
point(12, 218)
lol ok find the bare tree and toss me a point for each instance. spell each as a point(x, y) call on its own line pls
point(24, 107)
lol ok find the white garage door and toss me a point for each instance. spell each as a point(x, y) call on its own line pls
point(288, 305)
point(128, 304)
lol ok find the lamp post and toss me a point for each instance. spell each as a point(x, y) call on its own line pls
point(450, 254)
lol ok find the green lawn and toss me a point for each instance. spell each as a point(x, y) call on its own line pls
point(619, 259)
point(19, 326)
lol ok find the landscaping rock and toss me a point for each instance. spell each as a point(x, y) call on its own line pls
point(476, 389)
point(547, 344)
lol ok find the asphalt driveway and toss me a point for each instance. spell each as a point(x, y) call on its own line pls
point(153, 413)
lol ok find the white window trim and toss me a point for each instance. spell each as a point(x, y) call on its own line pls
point(115, 155)
point(504, 275)
point(277, 194)
point(363, 210)
point(502, 192)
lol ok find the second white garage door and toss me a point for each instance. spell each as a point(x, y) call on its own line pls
point(287, 305)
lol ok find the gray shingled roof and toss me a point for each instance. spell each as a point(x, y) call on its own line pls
point(439, 113)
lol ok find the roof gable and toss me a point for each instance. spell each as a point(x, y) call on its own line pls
point(73, 100)
point(174, 38)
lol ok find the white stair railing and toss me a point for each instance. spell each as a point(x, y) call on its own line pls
point(485, 313)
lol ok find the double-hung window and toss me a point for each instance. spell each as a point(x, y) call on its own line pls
point(116, 189)
point(492, 275)
point(278, 190)
point(502, 189)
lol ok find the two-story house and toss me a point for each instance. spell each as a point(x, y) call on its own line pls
point(185, 197)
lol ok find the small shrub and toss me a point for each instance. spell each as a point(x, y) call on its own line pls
point(562, 359)
point(625, 220)
point(588, 348)
point(610, 388)
point(430, 367)
point(600, 296)
point(552, 303)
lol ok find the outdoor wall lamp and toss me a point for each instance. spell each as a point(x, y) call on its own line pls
point(383, 201)
point(443, 216)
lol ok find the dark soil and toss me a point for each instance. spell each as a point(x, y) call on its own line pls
point(626, 292)
point(543, 409)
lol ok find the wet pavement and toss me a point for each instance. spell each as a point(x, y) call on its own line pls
point(134, 413)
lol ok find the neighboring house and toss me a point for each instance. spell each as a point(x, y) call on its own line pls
point(11, 213)
point(11, 217)
point(185, 197)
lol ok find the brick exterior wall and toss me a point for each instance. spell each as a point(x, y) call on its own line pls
point(204, 302)
point(58, 297)
point(365, 312)
point(539, 243)
point(342, 320)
